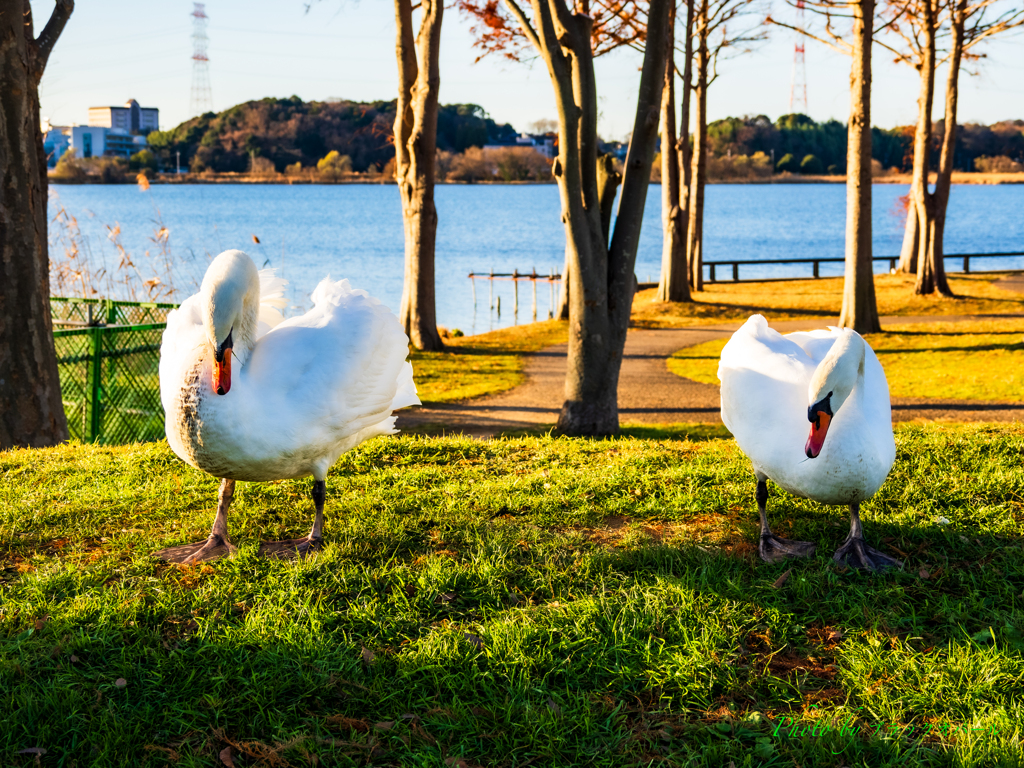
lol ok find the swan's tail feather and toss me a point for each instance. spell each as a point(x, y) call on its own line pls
point(272, 299)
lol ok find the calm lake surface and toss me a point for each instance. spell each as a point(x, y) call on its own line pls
point(355, 231)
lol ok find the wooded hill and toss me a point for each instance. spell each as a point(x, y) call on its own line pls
point(291, 130)
point(798, 135)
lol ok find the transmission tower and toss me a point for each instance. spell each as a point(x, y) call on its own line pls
point(798, 81)
point(201, 100)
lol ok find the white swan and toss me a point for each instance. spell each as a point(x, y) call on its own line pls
point(297, 395)
point(772, 387)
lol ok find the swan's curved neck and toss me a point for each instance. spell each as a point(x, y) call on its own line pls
point(231, 304)
point(837, 376)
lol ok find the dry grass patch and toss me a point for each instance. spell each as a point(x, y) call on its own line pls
point(807, 299)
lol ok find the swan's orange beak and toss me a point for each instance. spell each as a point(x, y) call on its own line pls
point(222, 374)
point(817, 437)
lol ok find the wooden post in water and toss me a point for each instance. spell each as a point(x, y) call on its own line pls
point(490, 287)
point(515, 295)
point(499, 306)
point(472, 281)
point(534, 280)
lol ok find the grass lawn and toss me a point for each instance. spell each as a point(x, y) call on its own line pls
point(801, 299)
point(537, 600)
point(970, 360)
point(481, 365)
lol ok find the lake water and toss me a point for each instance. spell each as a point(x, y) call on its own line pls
point(355, 231)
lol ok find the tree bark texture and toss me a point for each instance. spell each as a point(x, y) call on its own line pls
point(860, 311)
point(31, 409)
point(908, 252)
point(415, 149)
point(600, 280)
point(699, 164)
point(674, 284)
point(945, 171)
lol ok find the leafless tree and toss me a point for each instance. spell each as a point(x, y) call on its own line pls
point(567, 35)
point(860, 310)
point(31, 410)
point(933, 32)
point(419, 81)
point(715, 37)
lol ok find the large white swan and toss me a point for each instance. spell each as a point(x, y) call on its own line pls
point(772, 387)
point(251, 397)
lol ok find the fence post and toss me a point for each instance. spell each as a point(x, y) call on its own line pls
point(735, 272)
point(967, 263)
point(816, 269)
point(95, 381)
point(711, 276)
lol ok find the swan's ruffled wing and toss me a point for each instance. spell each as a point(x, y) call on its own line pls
point(272, 300)
point(183, 334)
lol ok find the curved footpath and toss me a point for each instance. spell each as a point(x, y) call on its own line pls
point(650, 394)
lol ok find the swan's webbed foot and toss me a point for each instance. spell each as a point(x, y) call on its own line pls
point(774, 548)
point(292, 548)
point(215, 546)
point(855, 553)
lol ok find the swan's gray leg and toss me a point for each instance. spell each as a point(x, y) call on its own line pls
point(308, 544)
point(773, 548)
point(857, 554)
point(217, 544)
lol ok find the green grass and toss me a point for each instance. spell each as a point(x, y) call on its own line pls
point(969, 360)
point(537, 600)
point(485, 364)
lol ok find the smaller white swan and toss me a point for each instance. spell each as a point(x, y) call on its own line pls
point(772, 387)
point(249, 397)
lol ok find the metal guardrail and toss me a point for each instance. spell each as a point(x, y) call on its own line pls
point(893, 261)
point(108, 355)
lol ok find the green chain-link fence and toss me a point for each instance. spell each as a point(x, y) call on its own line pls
point(108, 353)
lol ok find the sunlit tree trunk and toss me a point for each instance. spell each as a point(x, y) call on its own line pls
point(674, 284)
point(31, 410)
point(600, 274)
point(860, 310)
point(699, 164)
point(415, 149)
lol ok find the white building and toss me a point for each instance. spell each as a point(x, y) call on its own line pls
point(56, 140)
point(131, 118)
point(543, 143)
point(97, 141)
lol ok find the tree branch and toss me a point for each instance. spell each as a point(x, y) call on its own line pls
point(48, 37)
point(839, 45)
point(524, 23)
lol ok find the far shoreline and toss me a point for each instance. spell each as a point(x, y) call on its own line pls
point(782, 178)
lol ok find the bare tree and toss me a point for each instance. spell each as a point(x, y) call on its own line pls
point(921, 25)
point(419, 81)
point(675, 165)
point(600, 274)
point(31, 410)
point(716, 37)
point(860, 310)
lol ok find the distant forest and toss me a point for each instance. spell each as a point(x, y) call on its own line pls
point(288, 131)
point(798, 136)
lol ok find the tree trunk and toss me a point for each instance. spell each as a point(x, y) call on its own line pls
point(415, 150)
point(945, 172)
point(674, 284)
point(699, 165)
point(31, 409)
point(908, 253)
point(860, 311)
point(924, 202)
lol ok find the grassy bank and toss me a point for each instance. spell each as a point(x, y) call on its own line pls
point(536, 601)
point(970, 360)
point(484, 364)
point(808, 299)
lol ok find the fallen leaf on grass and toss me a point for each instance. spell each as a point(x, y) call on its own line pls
point(553, 706)
point(368, 657)
point(387, 725)
point(38, 751)
point(225, 757)
point(74, 659)
point(456, 762)
point(782, 579)
point(120, 682)
point(40, 623)
point(475, 641)
point(923, 573)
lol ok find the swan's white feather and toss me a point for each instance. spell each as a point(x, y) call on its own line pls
point(765, 378)
point(312, 387)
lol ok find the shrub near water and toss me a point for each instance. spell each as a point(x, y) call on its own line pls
point(546, 601)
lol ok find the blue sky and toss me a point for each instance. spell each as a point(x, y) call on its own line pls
point(115, 49)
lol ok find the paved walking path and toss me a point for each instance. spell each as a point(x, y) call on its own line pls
point(650, 394)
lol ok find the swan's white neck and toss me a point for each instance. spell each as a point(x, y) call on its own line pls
point(840, 372)
point(231, 303)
